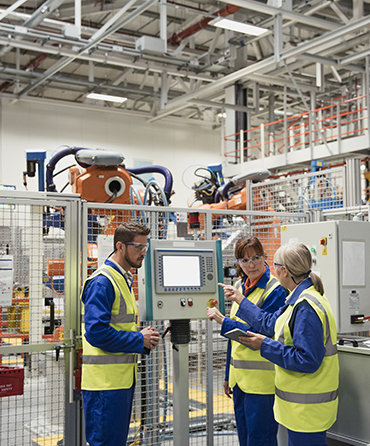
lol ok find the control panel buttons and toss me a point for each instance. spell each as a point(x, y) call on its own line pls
point(323, 241)
point(212, 303)
point(183, 302)
point(190, 302)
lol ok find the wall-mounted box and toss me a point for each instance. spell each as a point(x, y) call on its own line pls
point(147, 44)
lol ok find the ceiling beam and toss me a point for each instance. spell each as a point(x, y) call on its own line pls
point(111, 57)
point(339, 13)
point(35, 19)
point(270, 10)
point(99, 109)
point(354, 57)
point(94, 41)
point(11, 8)
point(222, 105)
point(262, 66)
point(270, 22)
point(331, 62)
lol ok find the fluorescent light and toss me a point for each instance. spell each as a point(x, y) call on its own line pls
point(240, 27)
point(106, 97)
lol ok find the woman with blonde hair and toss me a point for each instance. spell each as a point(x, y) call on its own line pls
point(300, 339)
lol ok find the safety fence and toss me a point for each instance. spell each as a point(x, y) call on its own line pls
point(326, 189)
point(38, 253)
point(153, 412)
point(344, 118)
point(49, 244)
point(351, 213)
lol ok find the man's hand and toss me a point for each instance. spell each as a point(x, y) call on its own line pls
point(215, 315)
point(231, 293)
point(227, 389)
point(151, 337)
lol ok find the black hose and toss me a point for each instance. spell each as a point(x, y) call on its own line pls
point(63, 170)
point(112, 198)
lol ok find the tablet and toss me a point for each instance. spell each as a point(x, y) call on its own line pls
point(235, 333)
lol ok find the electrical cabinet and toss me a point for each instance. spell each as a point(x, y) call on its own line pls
point(341, 257)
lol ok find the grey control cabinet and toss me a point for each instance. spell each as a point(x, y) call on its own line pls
point(341, 257)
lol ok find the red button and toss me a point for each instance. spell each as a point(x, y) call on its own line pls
point(190, 303)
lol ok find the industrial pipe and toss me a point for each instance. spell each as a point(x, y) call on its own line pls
point(31, 66)
point(50, 186)
point(156, 169)
point(224, 12)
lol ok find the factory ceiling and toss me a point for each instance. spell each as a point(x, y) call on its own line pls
point(170, 61)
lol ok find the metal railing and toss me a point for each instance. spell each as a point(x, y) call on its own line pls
point(344, 117)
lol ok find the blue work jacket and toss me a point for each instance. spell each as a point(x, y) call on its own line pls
point(98, 298)
point(308, 351)
point(274, 301)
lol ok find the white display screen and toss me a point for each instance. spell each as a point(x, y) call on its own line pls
point(354, 272)
point(181, 271)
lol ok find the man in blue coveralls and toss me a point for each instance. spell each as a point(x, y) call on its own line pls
point(111, 341)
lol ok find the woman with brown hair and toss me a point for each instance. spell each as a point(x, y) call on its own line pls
point(249, 377)
point(303, 348)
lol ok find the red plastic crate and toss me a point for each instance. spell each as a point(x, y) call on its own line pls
point(11, 381)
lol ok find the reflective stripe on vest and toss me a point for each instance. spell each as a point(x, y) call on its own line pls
point(117, 318)
point(122, 317)
point(251, 365)
point(102, 370)
point(330, 349)
point(251, 372)
point(307, 398)
point(308, 402)
point(271, 284)
point(109, 359)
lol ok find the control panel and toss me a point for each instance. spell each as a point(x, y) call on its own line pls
point(186, 271)
point(180, 279)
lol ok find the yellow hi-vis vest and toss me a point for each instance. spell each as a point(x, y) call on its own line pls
point(251, 372)
point(111, 371)
point(308, 402)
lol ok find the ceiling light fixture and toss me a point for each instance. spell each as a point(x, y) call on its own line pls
point(240, 27)
point(106, 97)
point(221, 115)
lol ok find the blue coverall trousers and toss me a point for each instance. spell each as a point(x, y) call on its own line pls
point(254, 417)
point(307, 439)
point(107, 416)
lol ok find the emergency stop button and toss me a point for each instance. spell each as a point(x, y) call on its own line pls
point(212, 303)
point(323, 241)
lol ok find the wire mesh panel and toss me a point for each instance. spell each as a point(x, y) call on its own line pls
point(39, 247)
point(36, 416)
point(300, 193)
point(152, 421)
point(357, 213)
point(33, 318)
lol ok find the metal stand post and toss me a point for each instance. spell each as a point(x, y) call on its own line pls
point(353, 182)
point(181, 395)
point(180, 337)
